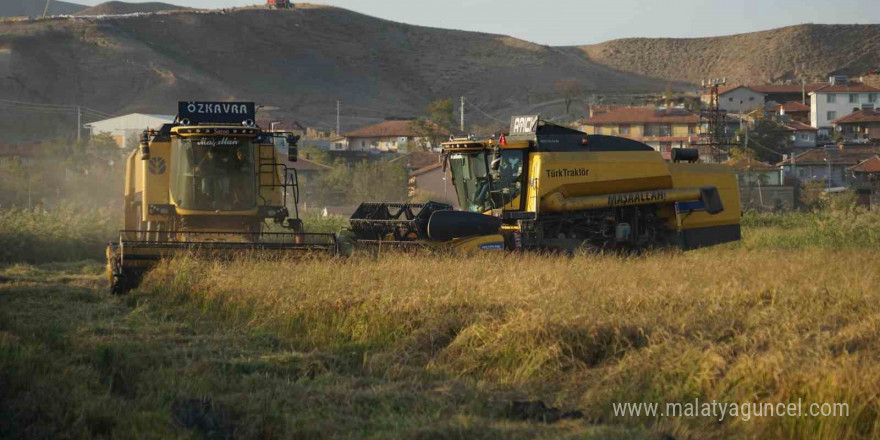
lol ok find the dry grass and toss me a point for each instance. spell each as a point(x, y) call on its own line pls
point(730, 325)
point(434, 346)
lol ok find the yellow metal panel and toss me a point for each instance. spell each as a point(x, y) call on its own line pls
point(720, 176)
point(590, 173)
point(155, 174)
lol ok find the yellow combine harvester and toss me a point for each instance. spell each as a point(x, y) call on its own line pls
point(551, 187)
point(208, 182)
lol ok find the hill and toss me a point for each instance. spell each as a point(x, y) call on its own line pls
point(118, 8)
point(34, 8)
point(301, 61)
point(807, 51)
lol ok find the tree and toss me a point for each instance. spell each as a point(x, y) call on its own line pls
point(438, 125)
point(570, 89)
point(440, 112)
point(768, 141)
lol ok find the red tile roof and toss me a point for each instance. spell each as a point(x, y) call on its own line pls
point(870, 165)
point(848, 88)
point(392, 128)
point(307, 165)
point(837, 156)
point(798, 126)
point(775, 88)
point(794, 107)
point(858, 117)
point(424, 170)
point(787, 88)
point(417, 159)
point(641, 115)
point(749, 164)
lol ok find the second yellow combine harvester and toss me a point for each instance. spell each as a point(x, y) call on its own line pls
point(549, 187)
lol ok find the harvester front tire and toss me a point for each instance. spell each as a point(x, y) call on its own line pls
point(119, 285)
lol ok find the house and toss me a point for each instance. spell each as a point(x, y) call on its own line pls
point(838, 98)
point(736, 99)
point(803, 136)
point(866, 181)
point(431, 183)
point(307, 172)
point(282, 125)
point(761, 185)
point(662, 129)
point(795, 111)
point(787, 92)
point(393, 135)
point(824, 164)
point(126, 129)
point(860, 124)
point(415, 160)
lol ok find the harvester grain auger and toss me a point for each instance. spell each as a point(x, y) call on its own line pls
point(208, 183)
point(550, 187)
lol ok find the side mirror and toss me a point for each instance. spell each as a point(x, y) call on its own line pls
point(145, 145)
point(292, 149)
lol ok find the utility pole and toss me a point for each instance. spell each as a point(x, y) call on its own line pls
point(78, 123)
point(337, 118)
point(46, 9)
point(803, 92)
point(462, 115)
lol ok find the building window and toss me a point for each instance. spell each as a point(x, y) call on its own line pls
point(872, 97)
point(692, 128)
point(363, 144)
point(666, 130)
point(853, 98)
point(805, 137)
point(751, 98)
point(831, 98)
point(832, 115)
point(730, 99)
point(624, 128)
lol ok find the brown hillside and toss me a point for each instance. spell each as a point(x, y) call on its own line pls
point(301, 61)
point(34, 8)
point(809, 51)
point(118, 8)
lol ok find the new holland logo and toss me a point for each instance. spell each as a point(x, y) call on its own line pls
point(492, 247)
point(156, 165)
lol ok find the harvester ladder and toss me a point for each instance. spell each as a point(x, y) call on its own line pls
point(287, 179)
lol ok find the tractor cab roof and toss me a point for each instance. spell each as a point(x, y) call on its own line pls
point(538, 135)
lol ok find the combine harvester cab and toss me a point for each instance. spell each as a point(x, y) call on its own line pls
point(209, 182)
point(550, 187)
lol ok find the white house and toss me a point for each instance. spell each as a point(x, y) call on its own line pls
point(738, 99)
point(126, 129)
point(839, 98)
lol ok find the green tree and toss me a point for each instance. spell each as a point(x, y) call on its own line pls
point(767, 140)
point(441, 113)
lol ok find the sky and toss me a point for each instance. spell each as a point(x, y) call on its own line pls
point(571, 22)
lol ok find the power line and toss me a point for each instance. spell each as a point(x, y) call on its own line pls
point(60, 107)
point(484, 113)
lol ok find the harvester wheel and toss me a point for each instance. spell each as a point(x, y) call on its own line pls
point(118, 285)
